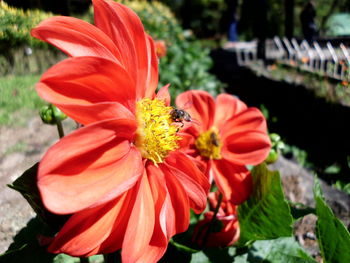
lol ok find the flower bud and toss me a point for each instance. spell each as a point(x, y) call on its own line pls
point(272, 157)
point(276, 146)
point(274, 137)
point(50, 113)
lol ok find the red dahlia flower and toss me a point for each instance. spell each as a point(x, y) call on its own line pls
point(228, 137)
point(121, 175)
point(224, 231)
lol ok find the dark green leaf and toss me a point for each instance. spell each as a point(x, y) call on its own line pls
point(26, 184)
point(333, 238)
point(200, 257)
point(26, 245)
point(62, 258)
point(214, 255)
point(266, 214)
point(285, 250)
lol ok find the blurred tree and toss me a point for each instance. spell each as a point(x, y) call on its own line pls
point(289, 20)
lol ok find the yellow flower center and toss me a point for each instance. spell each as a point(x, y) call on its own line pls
point(156, 134)
point(209, 145)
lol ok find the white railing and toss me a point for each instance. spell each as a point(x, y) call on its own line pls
point(328, 60)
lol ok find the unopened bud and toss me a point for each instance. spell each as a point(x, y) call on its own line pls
point(50, 113)
point(272, 157)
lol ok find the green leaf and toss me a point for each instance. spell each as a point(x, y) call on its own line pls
point(26, 185)
point(63, 258)
point(266, 214)
point(212, 255)
point(285, 250)
point(200, 257)
point(333, 237)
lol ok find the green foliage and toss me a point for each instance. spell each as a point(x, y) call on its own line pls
point(26, 247)
point(342, 186)
point(186, 67)
point(204, 17)
point(266, 214)
point(63, 258)
point(18, 98)
point(15, 26)
point(26, 185)
point(333, 237)
point(284, 249)
point(275, 251)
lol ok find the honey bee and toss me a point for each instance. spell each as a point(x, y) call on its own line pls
point(179, 115)
point(214, 139)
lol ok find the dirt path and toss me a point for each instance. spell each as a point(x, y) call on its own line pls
point(20, 148)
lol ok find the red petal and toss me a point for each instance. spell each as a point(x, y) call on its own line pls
point(163, 94)
point(195, 183)
point(87, 80)
point(164, 209)
point(245, 139)
point(226, 107)
point(233, 181)
point(141, 224)
point(187, 140)
point(138, 56)
point(86, 114)
point(200, 105)
point(178, 204)
point(76, 37)
point(152, 73)
point(89, 166)
point(159, 241)
point(85, 231)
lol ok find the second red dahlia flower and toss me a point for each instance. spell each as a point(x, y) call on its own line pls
point(229, 136)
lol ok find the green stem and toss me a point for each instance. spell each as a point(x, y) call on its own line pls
point(211, 223)
point(59, 127)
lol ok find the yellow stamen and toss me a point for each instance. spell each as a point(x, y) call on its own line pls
point(209, 145)
point(156, 134)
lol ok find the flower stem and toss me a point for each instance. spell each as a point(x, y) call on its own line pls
point(211, 223)
point(59, 127)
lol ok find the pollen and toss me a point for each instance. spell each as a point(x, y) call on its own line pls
point(209, 145)
point(156, 132)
